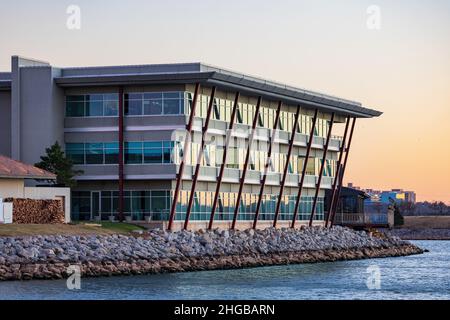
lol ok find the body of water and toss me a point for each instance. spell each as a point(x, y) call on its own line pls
point(425, 276)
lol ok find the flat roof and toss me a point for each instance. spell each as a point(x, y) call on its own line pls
point(207, 74)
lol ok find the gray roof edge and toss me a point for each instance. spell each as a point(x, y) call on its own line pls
point(299, 95)
point(133, 69)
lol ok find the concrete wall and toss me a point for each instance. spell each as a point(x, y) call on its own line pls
point(42, 113)
point(11, 188)
point(5, 123)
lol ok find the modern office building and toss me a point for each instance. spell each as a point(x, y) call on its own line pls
point(137, 133)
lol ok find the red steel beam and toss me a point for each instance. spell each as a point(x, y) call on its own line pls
point(305, 164)
point(338, 168)
point(283, 180)
point(247, 158)
point(121, 156)
point(199, 158)
point(341, 178)
point(224, 160)
point(322, 166)
point(266, 166)
point(187, 142)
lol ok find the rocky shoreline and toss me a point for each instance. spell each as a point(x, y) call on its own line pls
point(157, 251)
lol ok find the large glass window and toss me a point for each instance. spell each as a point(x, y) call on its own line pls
point(94, 153)
point(153, 152)
point(153, 103)
point(75, 152)
point(133, 152)
point(92, 105)
point(111, 153)
point(133, 104)
point(172, 102)
point(111, 105)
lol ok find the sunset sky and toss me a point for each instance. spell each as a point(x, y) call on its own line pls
point(402, 69)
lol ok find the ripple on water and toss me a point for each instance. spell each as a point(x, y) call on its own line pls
point(414, 277)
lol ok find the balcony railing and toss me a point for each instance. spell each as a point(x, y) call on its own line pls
point(361, 219)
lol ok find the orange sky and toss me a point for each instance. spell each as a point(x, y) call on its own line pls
point(403, 69)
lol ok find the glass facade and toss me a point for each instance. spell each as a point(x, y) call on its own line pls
point(246, 111)
point(157, 152)
point(155, 204)
point(174, 102)
point(201, 208)
point(138, 205)
point(213, 156)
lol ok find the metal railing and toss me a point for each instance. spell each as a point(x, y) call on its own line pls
point(361, 218)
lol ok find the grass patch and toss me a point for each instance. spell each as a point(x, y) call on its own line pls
point(119, 227)
point(77, 228)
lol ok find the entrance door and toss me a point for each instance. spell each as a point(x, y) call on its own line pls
point(95, 205)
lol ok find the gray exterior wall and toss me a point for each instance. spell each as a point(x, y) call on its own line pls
point(5, 123)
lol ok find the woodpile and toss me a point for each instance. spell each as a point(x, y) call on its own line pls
point(27, 211)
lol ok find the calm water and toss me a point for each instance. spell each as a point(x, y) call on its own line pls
point(424, 276)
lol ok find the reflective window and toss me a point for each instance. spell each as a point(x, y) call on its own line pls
point(92, 105)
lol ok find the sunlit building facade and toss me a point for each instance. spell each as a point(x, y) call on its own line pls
point(182, 145)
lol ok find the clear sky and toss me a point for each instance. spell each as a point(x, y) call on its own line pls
point(402, 69)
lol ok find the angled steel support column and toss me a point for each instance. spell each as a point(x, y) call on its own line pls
point(224, 160)
point(247, 158)
point(341, 177)
point(199, 158)
point(305, 164)
point(338, 168)
point(187, 142)
point(286, 165)
point(121, 157)
point(322, 166)
point(266, 166)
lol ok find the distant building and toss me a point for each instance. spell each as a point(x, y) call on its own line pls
point(397, 195)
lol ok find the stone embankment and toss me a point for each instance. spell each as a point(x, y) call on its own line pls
point(157, 251)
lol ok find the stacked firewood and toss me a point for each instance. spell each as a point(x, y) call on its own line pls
point(26, 211)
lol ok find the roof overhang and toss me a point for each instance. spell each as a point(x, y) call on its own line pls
point(5, 85)
point(231, 81)
point(31, 177)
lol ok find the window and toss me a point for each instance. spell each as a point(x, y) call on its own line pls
point(75, 152)
point(153, 152)
point(133, 104)
point(167, 151)
point(94, 153)
point(133, 152)
point(239, 116)
point(216, 110)
point(153, 103)
point(75, 106)
point(111, 105)
point(111, 153)
point(93, 105)
point(171, 102)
